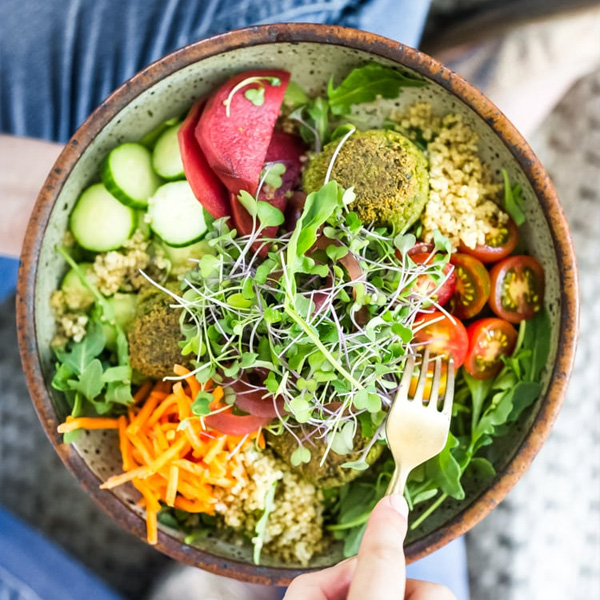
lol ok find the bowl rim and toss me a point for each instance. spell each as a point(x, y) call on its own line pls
point(380, 47)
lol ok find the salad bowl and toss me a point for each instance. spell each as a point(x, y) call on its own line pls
point(313, 54)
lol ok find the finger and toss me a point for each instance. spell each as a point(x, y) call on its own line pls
point(424, 590)
point(380, 569)
point(328, 584)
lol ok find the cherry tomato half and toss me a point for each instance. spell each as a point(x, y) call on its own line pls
point(499, 243)
point(517, 288)
point(472, 286)
point(426, 284)
point(443, 336)
point(489, 341)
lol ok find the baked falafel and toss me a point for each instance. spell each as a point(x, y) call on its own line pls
point(387, 171)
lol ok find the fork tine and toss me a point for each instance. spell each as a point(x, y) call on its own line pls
point(409, 367)
point(422, 376)
point(435, 384)
point(449, 393)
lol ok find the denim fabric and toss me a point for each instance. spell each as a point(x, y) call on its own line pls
point(61, 58)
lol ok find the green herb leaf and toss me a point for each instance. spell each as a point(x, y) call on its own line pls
point(256, 95)
point(261, 525)
point(336, 252)
point(238, 301)
point(273, 173)
point(513, 200)
point(201, 405)
point(269, 215)
point(79, 354)
point(445, 471)
point(300, 455)
point(90, 383)
point(248, 202)
point(294, 95)
point(365, 84)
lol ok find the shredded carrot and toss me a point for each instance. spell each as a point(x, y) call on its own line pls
point(172, 487)
point(72, 424)
point(143, 392)
point(190, 380)
point(166, 451)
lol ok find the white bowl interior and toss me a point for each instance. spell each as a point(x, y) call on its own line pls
point(311, 65)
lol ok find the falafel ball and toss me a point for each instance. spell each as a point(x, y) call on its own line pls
point(388, 172)
point(331, 474)
point(154, 335)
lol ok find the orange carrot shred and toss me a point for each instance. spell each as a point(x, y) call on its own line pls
point(172, 486)
point(143, 392)
point(167, 453)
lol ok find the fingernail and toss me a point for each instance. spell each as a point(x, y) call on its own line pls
point(399, 504)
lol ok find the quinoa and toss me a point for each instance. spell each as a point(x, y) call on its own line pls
point(119, 270)
point(71, 319)
point(294, 531)
point(463, 198)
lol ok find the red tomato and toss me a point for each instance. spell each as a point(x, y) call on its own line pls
point(443, 336)
point(489, 341)
point(426, 284)
point(517, 288)
point(472, 286)
point(499, 243)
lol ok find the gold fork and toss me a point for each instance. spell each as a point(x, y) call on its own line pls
point(417, 431)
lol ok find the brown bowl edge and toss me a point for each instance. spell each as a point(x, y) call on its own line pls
point(377, 45)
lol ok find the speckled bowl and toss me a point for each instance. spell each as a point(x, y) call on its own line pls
point(312, 53)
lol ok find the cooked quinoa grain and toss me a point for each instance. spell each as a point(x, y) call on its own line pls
point(70, 319)
point(295, 526)
point(119, 270)
point(462, 197)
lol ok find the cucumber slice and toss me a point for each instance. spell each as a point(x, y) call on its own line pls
point(150, 138)
point(175, 214)
point(99, 222)
point(166, 158)
point(128, 175)
point(77, 296)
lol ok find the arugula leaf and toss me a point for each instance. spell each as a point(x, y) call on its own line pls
point(536, 337)
point(365, 84)
point(319, 206)
point(261, 525)
point(445, 472)
point(80, 354)
point(318, 111)
point(90, 382)
point(480, 389)
point(294, 95)
point(513, 200)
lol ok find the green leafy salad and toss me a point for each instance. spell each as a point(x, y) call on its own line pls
point(246, 284)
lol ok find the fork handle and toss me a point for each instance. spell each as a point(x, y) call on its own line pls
point(398, 481)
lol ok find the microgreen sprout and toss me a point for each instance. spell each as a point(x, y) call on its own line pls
point(330, 348)
point(256, 97)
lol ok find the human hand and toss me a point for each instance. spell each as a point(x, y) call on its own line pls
point(379, 570)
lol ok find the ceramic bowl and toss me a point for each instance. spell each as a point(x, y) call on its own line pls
point(313, 53)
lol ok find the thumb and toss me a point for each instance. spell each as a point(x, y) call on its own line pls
point(380, 568)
